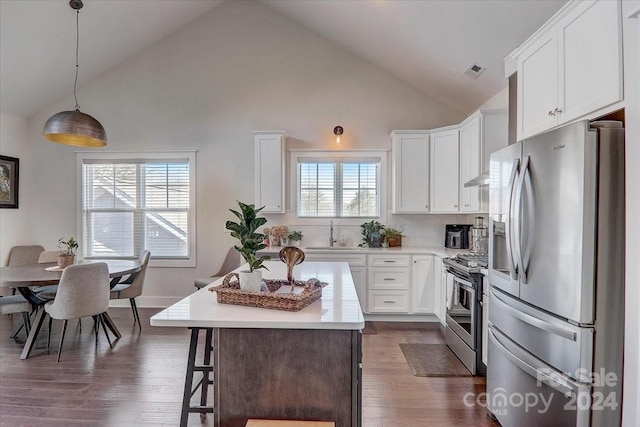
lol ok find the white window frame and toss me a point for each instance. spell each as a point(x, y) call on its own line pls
point(351, 155)
point(81, 156)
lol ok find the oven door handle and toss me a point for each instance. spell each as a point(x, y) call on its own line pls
point(463, 282)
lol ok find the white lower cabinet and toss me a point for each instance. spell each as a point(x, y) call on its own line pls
point(485, 320)
point(388, 281)
point(359, 275)
point(358, 267)
point(424, 295)
point(439, 303)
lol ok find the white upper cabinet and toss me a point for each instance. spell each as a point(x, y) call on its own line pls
point(444, 174)
point(470, 159)
point(270, 171)
point(572, 69)
point(410, 152)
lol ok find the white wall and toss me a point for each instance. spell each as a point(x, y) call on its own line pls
point(631, 400)
point(242, 67)
point(499, 101)
point(14, 223)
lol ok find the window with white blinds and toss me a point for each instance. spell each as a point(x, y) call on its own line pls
point(140, 202)
point(338, 187)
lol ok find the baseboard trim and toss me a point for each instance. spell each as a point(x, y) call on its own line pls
point(401, 318)
point(146, 302)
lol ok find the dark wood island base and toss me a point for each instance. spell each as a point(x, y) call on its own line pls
point(286, 374)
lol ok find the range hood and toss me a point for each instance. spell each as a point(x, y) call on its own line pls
point(482, 179)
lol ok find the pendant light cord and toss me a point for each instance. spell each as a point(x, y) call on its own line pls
point(75, 83)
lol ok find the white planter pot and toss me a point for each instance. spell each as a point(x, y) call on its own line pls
point(250, 280)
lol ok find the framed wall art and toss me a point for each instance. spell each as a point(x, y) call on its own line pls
point(9, 170)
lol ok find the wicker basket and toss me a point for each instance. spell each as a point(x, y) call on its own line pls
point(230, 293)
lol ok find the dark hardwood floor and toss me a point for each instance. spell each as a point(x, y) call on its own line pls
point(140, 382)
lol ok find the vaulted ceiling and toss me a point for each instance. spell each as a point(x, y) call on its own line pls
point(427, 43)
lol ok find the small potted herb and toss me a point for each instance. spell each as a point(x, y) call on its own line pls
point(295, 237)
point(245, 230)
point(393, 236)
point(67, 252)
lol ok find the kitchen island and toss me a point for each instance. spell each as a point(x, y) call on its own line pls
point(274, 364)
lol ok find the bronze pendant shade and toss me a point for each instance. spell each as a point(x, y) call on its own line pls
point(75, 127)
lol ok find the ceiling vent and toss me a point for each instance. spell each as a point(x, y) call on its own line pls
point(474, 71)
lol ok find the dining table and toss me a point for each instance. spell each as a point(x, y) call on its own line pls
point(24, 277)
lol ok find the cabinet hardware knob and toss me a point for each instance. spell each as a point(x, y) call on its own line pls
point(466, 205)
point(455, 206)
point(426, 206)
point(557, 110)
point(550, 113)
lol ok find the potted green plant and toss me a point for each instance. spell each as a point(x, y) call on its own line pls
point(295, 237)
point(371, 234)
point(67, 252)
point(245, 230)
point(393, 236)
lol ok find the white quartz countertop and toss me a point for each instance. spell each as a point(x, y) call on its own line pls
point(438, 251)
point(337, 309)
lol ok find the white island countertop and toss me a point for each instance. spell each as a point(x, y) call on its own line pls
point(337, 309)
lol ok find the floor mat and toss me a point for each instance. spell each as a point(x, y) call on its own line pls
point(433, 360)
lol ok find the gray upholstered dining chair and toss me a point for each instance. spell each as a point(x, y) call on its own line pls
point(232, 261)
point(83, 291)
point(132, 287)
point(24, 255)
point(49, 256)
point(16, 304)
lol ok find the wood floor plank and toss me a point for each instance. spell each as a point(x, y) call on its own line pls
point(140, 381)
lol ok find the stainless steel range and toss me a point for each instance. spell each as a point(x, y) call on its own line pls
point(464, 309)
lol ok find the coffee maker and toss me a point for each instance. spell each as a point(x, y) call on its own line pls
point(457, 236)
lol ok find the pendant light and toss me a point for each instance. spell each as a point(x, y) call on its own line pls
point(75, 127)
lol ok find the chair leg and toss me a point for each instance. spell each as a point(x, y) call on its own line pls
point(49, 336)
point(95, 327)
point(26, 321)
point(104, 327)
point(136, 316)
point(64, 329)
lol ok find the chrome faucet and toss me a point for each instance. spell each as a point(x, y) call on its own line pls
point(331, 239)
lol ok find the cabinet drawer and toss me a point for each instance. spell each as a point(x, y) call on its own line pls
point(388, 260)
point(388, 302)
point(392, 278)
point(354, 260)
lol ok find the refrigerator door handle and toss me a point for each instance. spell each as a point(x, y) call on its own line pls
point(513, 266)
point(540, 373)
point(518, 219)
point(534, 321)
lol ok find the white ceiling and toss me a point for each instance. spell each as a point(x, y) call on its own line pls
point(426, 43)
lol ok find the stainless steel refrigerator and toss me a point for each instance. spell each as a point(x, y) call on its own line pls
point(556, 273)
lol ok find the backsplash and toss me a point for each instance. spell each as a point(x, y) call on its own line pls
point(419, 230)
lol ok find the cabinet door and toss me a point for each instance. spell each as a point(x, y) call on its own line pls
point(410, 173)
point(444, 171)
point(470, 153)
point(359, 275)
point(538, 86)
point(591, 66)
point(269, 169)
point(423, 286)
point(438, 295)
point(485, 328)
